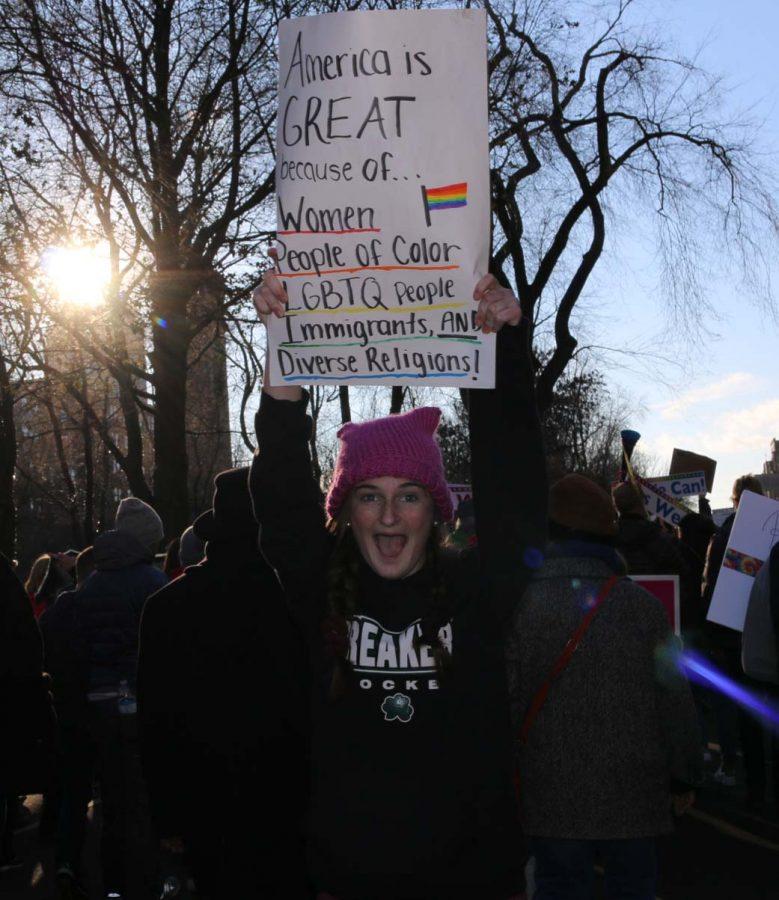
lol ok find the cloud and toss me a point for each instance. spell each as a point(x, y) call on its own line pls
point(748, 429)
point(731, 385)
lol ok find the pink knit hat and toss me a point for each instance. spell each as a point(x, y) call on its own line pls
point(402, 446)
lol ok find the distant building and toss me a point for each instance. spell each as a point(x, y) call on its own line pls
point(770, 477)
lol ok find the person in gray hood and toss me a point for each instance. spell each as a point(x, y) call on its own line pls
point(96, 629)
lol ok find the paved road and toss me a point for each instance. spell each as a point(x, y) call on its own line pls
point(718, 853)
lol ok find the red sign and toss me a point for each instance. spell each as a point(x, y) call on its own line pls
point(666, 589)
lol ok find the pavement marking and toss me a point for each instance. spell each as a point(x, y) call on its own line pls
point(732, 830)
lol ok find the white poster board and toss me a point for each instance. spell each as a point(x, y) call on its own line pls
point(689, 484)
point(660, 505)
point(383, 199)
point(755, 531)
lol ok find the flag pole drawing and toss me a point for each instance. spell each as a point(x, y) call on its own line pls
point(450, 196)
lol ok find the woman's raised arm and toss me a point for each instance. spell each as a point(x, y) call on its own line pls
point(508, 466)
point(287, 500)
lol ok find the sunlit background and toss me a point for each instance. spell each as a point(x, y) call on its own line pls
point(78, 275)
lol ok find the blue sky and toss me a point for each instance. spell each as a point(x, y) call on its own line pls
point(722, 396)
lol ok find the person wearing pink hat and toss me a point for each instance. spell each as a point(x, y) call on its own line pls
point(411, 782)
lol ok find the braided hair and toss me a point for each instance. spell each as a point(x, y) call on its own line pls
point(343, 600)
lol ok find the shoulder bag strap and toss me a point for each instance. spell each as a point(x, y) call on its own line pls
point(562, 661)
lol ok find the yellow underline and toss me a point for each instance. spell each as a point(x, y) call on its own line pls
point(380, 310)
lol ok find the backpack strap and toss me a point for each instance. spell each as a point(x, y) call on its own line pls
point(565, 657)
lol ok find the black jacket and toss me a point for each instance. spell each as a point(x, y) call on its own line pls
point(412, 777)
point(93, 632)
point(647, 549)
point(222, 690)
point(26, 718)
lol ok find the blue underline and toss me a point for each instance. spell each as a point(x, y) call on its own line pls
point(386, 375)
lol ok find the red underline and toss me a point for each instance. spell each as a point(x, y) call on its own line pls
point(364, 269)
point(345, 231)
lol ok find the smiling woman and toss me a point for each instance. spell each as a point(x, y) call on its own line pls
point(79, 275)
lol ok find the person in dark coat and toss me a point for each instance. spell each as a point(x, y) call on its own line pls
point(695, 531)
point(26, 719)
point(223, 712)
point(648, 550)
point(734, 724)
point(615, 740)
point(93, 633)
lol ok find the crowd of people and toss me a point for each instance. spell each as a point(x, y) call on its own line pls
point(340, 700)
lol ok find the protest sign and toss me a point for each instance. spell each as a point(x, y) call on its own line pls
point(660, 505)
point(687, 484)
point(755, 531)
point(459, 493)
point(666, 589)
point(686, 461)
point(382, 181)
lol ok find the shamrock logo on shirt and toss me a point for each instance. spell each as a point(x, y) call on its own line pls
point(397, 706)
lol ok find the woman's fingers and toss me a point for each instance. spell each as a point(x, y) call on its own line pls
point(497, 305)
point(270, 298)
point(485, 283)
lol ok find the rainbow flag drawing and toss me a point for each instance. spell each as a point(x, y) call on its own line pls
point(449, 196)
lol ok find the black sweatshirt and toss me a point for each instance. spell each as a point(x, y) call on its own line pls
point(412, 796)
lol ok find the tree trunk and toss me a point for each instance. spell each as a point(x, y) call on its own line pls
point(396, 401)
point(346, 410)
point(88, 521)
point(171, 338)
point(7, 464)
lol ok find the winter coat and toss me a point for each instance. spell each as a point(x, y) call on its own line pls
point(647, 549)
point(411, 772)
point(96, 627)
point(618, 724)
point(26, 718)
point(222, 694)
point(723, 644)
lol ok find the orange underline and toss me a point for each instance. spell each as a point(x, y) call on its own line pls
point(364, 269)
point(345, 231)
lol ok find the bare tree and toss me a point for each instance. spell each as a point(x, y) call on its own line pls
point(168, 104)
point(588, 118)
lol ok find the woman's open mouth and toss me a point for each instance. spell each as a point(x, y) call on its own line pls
point(390, 545)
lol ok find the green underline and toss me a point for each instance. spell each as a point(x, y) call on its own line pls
point(305, 344)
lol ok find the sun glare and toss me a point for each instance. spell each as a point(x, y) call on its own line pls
point(79, 275)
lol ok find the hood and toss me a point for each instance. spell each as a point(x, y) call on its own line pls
point(119, 550)
point(635, 531)
point(585, 557)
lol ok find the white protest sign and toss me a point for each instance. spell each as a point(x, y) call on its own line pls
point(459, 493)
point(382, 182)
point(660, 505)
point(755, 531)
point(689, 484)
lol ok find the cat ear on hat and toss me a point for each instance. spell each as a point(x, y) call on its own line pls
point(344, 430)
point(426, 417)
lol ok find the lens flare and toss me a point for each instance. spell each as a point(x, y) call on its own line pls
point(702, 672)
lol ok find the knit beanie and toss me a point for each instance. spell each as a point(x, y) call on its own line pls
point(191, 548)
point(231, 515)
point(138, 519)
point(578, 503)
point(400, 446)
point(628, 499)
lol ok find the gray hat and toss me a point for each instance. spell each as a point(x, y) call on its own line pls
point(139, 519)
point(190, 548)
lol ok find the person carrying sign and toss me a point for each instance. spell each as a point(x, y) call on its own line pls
point(412, 750)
